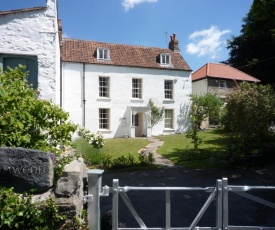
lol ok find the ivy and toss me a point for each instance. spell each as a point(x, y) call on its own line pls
point(156, 113)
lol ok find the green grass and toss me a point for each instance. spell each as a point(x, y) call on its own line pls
point(180, 149)
point(113, 147)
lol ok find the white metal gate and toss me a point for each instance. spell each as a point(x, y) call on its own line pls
point(220, 192)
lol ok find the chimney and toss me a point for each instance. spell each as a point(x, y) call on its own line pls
point(174, 43)
point(60, 30)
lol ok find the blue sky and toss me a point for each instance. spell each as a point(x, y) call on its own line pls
point(202, 26)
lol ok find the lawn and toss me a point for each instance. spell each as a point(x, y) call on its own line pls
point(114, 147)
point(179, 149)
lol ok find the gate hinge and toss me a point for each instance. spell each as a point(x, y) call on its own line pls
point(105, 191)
point(88, 198)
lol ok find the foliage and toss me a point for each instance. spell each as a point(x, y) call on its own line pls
point(204, 106)
point(146, 158)
point(90, 154)
point(19, 212)
point(250, 114)
point(79, 221)
point(156, 113)
point(127, 161)
point(28, 122)
point(95, 140)
point(253, 51)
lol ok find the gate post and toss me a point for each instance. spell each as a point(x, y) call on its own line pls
point(94, 189)
point(219, 207)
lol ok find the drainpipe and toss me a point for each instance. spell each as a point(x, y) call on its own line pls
point(84, 98)
point(60, 78)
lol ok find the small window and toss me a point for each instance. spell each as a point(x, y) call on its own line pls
point(165, 59)
point(135, 120)
point(104, 118)
point(103, 53)
point(168, 89)
point(222, 84)
point(136, 88)
point(104, 87)
point(168, 120)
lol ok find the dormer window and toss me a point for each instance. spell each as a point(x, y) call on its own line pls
point(165, 59)
point(103, 54)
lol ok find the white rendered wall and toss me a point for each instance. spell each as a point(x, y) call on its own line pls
point(121, 96)
point(35, 33)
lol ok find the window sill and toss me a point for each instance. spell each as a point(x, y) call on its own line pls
point(104, 99)
point(168, 130)
point(168, 101)
point(105, 130)
point(137, 100)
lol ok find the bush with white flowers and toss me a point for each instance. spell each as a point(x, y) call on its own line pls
point(95, 140)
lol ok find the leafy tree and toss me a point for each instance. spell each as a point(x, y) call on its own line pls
point(156, 113)
point(28, 122)
point(253, 51)
point(249, 117)
point(202, 107)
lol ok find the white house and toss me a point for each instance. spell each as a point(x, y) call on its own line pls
point(29, 36)
point(106, 87)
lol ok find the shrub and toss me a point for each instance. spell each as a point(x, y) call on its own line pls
point(95, 140)
point(19, 212)
point(28, 122)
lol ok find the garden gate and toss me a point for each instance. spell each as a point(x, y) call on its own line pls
point(220, 192)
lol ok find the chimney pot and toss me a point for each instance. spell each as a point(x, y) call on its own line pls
point(174, 43)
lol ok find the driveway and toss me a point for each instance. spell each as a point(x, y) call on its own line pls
point(185, 205)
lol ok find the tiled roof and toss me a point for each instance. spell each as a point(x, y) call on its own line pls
point(221, 71)
point(22, 10)
point(83, 51)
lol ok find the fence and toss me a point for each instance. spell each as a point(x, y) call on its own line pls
point(220, 192)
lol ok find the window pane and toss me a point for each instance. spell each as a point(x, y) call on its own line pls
point(136, 88)
point(103, 118)
point(222, 84)
point(103, 87)
point(168, 89)
point(165, 59)
point(168, 119)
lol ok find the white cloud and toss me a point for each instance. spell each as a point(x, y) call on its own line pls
point(129, 4)
point(206, 42)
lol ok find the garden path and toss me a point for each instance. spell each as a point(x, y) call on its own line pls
point(155, 143)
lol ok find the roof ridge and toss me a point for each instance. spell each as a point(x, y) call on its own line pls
point(112, 43)
point(23, 10)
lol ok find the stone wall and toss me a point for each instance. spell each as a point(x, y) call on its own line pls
point(27, 170)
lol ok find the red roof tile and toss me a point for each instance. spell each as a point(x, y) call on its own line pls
point(83, 51)
point(221, 71)
point(22, 10)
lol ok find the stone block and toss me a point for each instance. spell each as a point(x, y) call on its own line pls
point(26, 169)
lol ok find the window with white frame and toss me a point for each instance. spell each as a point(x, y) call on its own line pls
point(136, 88)
point(104, 86)
point(104, 118)
point(165, 59)
point(168, 89)
point(103, 53)
point(168, 119)
point(135, 120)
point(222, 83)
